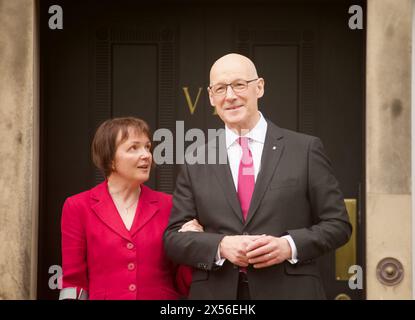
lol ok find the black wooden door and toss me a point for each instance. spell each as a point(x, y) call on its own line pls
point(117, 58)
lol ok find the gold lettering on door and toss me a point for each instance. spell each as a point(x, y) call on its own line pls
point(192, 106)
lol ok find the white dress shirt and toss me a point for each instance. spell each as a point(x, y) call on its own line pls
point(256, 140)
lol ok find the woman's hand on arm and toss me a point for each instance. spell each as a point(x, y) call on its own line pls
point(192, 225)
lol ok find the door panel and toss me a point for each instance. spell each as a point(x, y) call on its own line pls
point(125, 58)
point(134, 83)
point(279, 66)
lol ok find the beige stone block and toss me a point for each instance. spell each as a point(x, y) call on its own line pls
point(388, 98)
point(16, 148)
point(388, 231)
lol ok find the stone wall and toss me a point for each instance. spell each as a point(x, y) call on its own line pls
point(388, 143)
point(18, 172)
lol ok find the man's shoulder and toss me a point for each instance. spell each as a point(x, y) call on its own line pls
point(290, 135)
point(298, 135)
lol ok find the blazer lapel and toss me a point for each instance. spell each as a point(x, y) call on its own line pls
point(105, 209)
point(271, 155)
point(224, 175)
point(147, 208)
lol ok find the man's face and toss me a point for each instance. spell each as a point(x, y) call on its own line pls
point(236, 109)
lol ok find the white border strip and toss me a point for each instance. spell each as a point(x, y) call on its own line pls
point(413, 147)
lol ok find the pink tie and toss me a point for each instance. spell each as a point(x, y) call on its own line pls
point(246, 178)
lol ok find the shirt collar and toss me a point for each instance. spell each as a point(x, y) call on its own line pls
point(257, 133)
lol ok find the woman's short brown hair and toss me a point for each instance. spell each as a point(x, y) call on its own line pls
point(104, 144)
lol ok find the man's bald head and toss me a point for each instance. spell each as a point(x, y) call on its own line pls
point(232, 63)
point(236, 103)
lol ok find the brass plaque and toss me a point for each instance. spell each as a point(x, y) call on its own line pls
point(346, 255)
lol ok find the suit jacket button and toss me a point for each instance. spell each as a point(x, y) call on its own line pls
point(132, 287)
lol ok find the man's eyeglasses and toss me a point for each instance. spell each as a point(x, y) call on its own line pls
point(237, 86)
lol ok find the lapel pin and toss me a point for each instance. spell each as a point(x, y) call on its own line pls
point(274, 147)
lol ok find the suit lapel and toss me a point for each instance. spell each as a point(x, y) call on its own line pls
point(147, 208)
point(271, 155)
point(224, 176)
point(105, 209)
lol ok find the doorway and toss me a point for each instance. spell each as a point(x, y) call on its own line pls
point(118, 58)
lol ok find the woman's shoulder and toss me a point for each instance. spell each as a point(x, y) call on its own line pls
point(79, 196)
point(86, 195)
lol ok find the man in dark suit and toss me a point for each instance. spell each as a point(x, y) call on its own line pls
point(268, 213)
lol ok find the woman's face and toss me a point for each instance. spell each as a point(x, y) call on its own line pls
point(133, 158)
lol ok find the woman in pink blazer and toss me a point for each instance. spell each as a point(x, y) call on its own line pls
point(112, 235)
